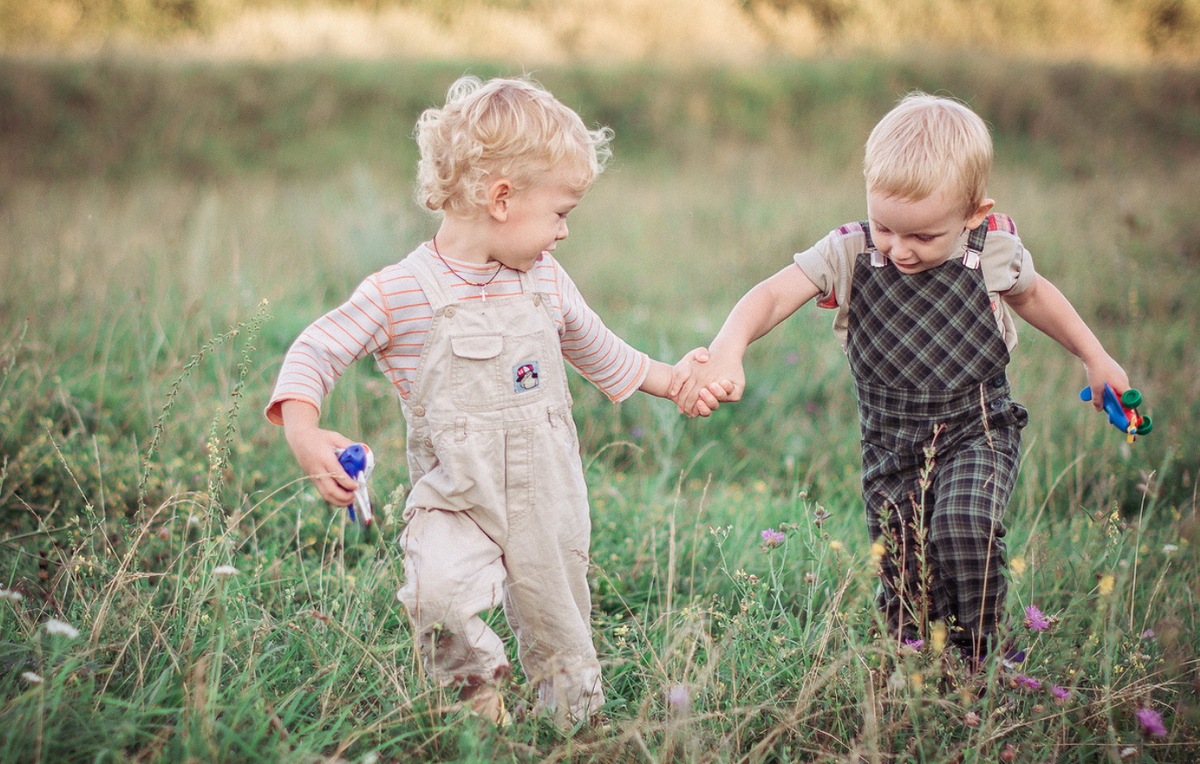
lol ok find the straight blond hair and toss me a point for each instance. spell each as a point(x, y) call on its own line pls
point(925, 141)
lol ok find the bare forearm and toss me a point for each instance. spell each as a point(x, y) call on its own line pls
point(761, 309)
point(658, 379)
point(1045, 308)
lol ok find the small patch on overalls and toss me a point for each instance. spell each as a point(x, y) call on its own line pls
point(525, 376)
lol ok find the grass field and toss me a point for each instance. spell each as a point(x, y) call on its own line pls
point(172, 590)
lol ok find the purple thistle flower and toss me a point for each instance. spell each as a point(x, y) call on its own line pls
point(915, 644)
point(1027, 682)
point(1148, 634)
point(771, 537)
point(820, 515)
point(1151, 721)
point(1060, 692)
point(1035, 620)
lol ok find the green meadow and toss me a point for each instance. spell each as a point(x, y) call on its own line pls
point(172, 589)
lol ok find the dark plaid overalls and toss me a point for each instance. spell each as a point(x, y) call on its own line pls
point(940, 440)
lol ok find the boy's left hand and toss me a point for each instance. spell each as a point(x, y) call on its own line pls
point(1104, 370)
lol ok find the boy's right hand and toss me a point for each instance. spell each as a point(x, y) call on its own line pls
point(315, 450)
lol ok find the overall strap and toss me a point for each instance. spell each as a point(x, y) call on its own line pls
point(436, 290)
point(975, 241)
point(877, 258)
point(529, 282)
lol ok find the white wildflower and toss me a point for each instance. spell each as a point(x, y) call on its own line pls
point(225, 571)
point(55, 626)
point(10, 595)
point(31, 677)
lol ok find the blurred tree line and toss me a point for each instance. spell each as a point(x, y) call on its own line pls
point(1148, 27)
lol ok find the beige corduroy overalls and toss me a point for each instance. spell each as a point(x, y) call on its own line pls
point(498, 511)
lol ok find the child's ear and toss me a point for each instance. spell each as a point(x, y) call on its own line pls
point(980, 213)
point(498, 198)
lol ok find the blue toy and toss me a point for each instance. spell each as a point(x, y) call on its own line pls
point(358, 461)
point(1122, 412)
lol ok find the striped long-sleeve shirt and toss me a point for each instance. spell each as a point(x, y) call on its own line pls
point(388, 317)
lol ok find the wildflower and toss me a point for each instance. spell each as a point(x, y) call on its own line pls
point(896, 681)
point(836, 545)
point(1009, 753)
point(1151, 721)
point(820, 515)
point(810, 577)
point(1127, 751)
point(971, 719)
point(1060, 692)
point(1169, 548)
point(1148, 634)
point(225, 571)
point(1107, 582)
point(878, 550)
point(10, 595)
point(55, 626)
point(937, 637)
point(1017, 566)
point(771, 538)
point(1027, 682)
point(679, 699)
point(31, 677)
point(914, 644)
point(1035, 620)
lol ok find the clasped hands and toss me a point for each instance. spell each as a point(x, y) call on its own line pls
point(702, 381)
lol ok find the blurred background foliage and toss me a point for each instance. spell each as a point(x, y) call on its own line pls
point(544, 31)
point(126, 116)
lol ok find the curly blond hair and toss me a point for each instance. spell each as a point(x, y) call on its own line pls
point(927, 140)
point(502, 128)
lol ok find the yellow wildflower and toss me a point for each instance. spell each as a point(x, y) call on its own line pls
point(1017, 566)
point(1107, 582)
point(937, 637)
point(878, 550)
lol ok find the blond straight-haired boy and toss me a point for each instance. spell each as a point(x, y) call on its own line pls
point(921, 292)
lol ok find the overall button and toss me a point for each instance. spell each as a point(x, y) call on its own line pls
point(419, 410)
point(450, 312)
point(998, 381)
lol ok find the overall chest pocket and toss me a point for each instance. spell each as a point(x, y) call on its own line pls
point(491, 371)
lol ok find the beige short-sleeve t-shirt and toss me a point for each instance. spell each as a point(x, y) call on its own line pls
point(1006, 265)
